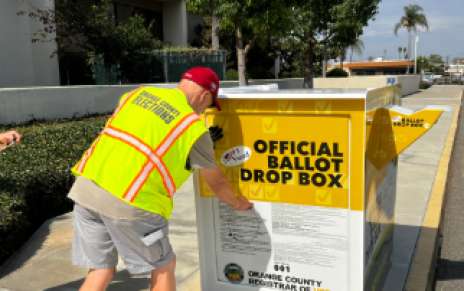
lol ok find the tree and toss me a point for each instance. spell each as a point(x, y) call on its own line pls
point(437, 64)
point(251, 22)
point(405, 53)
point(423, 64)
point(356, 48)
point(412, 19)
point(434, 63)
point(292, 54)
point(402, 53)
point(353, 46)
point(327, 24)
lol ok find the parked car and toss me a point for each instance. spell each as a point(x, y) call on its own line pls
point(429, 77)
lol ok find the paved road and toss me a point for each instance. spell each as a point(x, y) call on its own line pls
point(450, 270)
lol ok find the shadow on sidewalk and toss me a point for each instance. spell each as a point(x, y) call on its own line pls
point(122, 281)
point(30, 247)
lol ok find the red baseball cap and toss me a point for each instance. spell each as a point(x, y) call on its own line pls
point(206, 78)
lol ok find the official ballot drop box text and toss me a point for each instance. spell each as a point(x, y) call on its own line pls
point(320, 167)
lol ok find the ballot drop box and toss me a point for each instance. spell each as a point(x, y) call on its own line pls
point(320, 167)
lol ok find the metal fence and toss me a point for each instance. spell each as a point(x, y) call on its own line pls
point(159, 66)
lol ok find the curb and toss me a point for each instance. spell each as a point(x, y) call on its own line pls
point(422, 269)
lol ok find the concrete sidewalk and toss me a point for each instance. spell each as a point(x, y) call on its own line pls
point(44, 262)
point(422, 173)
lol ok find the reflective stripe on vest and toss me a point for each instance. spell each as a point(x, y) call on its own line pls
point(154, 157)
point(153, 160)
point(89, 152)
point(140, 154)
point(86, 156)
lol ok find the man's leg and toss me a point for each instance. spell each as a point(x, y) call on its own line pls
point(93, 249)
point(144, 246)
point(163, 279)
point(97, 279)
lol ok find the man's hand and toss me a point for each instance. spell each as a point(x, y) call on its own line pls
point(242, 204)
point(9, 138)
point(216, 133)
point(221, 187)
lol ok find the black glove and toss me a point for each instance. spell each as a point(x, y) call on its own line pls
point(188, 167)
point(216, 133)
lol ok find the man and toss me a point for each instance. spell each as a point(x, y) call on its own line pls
point(126, 179)
point(9, 138)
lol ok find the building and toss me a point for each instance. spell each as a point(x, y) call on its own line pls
point(24, 63)
point(455, 70)
point(173, 24)
point(376, 67)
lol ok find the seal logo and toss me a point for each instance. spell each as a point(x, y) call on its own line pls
point(236, 156)
point(233, 273)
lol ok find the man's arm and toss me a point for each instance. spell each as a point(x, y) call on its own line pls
point(221, 187)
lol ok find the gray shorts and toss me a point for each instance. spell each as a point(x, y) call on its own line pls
point(143, 244)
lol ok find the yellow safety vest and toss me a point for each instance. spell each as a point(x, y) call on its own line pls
point(140, 155)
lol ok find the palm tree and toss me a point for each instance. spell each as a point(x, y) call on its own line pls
point(412, 19)
point(356, 48)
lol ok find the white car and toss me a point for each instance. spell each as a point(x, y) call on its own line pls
point(429, 77)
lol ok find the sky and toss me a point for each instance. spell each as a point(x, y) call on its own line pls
point(445, 37)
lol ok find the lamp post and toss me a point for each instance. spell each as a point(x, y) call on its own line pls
point(415, 54)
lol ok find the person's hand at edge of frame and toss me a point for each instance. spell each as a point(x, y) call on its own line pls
point(9, 138)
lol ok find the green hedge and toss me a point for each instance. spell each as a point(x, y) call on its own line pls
point(232, 75)
point(337, 73)
point(35, 175)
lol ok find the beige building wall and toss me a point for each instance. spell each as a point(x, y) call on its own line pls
point(408, 83)
point(23, 63)
point(175, 22)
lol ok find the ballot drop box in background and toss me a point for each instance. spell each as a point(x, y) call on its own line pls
point(320, 167)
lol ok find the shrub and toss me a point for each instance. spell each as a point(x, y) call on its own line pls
point(232, 75)
point(337, 72)
point(35, 176)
